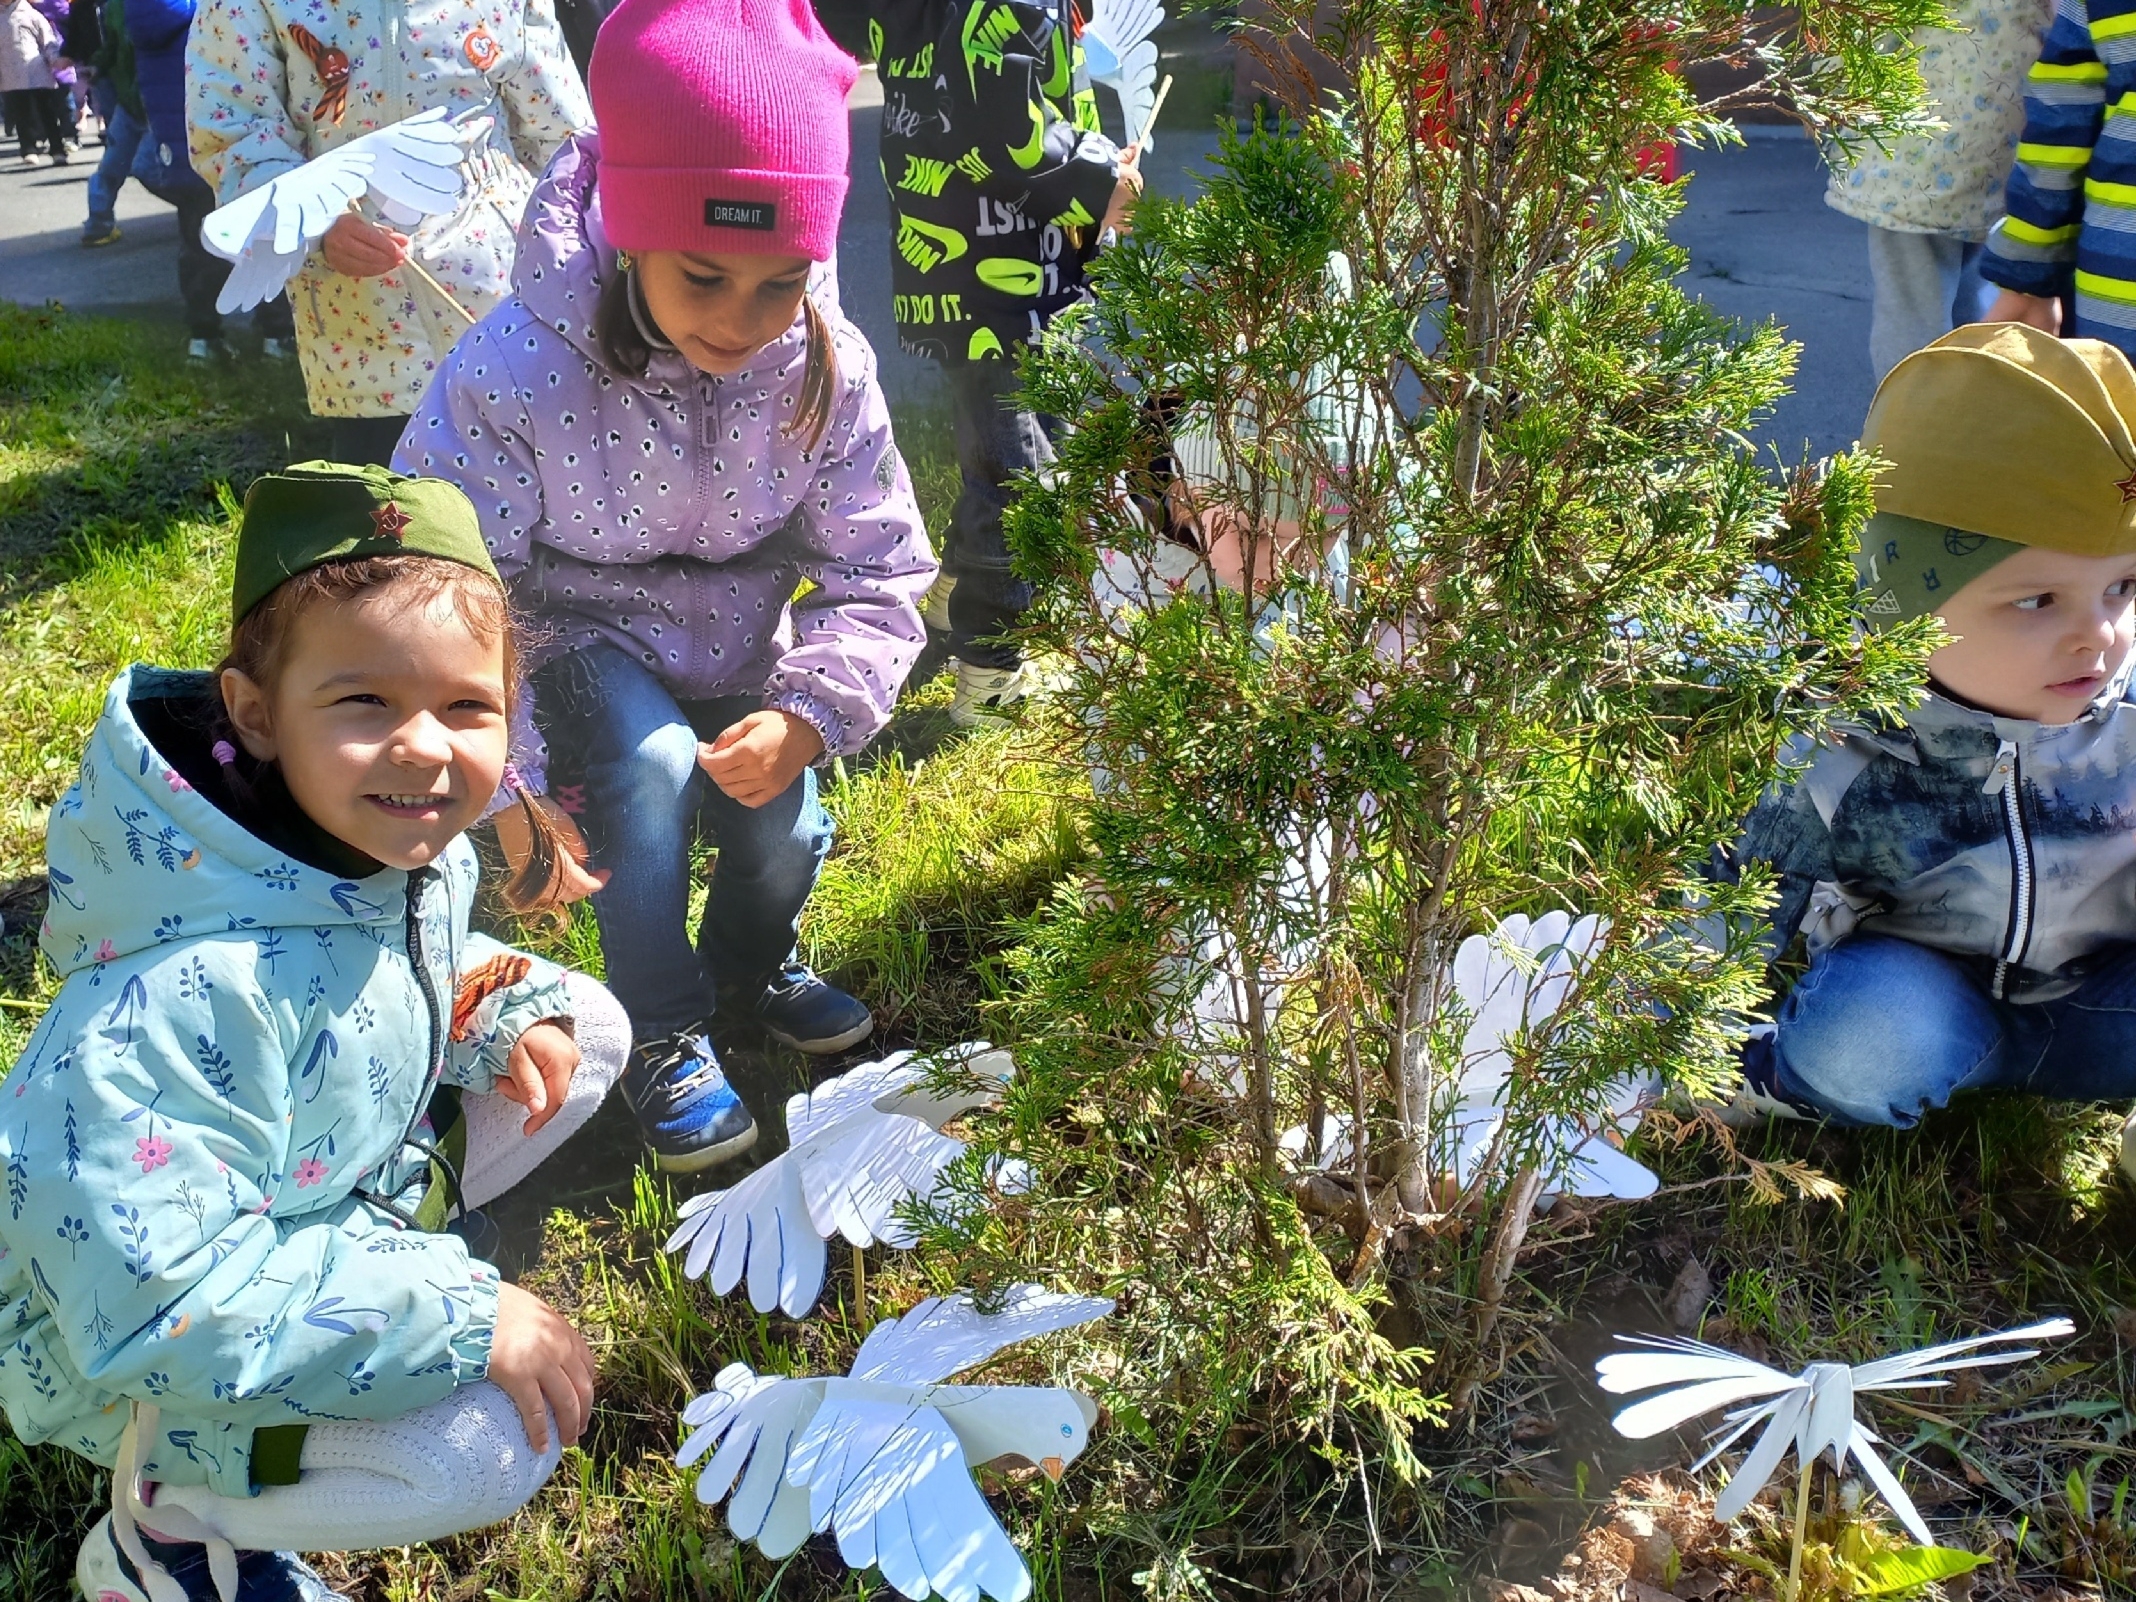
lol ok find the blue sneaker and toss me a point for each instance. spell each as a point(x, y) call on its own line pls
point(688, 1113)
point(800, 1009)
point(105, 1574)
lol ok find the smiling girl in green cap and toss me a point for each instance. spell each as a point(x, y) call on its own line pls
point(225, 1262)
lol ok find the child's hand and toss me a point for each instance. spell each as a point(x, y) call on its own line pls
point(2043, 312)
point(574, 881)
point(538, 1073)
point(542, 1364)
point(758, 759)
point(358, 249)
point(1119, 215)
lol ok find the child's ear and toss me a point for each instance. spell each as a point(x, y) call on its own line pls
point(246, 703)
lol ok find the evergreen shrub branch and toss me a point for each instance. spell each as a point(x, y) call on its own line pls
point(1546, 628)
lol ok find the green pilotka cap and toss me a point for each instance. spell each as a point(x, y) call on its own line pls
point(313, 513)
point(1908, 567)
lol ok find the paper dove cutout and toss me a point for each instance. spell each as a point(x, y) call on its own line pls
point(1118, 50)
point(882, 1458)
point(1812, 1411)
point(861, 1145)
point(1505, 993)
point(412, 169)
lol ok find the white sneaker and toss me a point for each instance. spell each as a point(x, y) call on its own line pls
point(934, 606)
point(2128, 1146)
point(201, 350)
point(36, 158)
point(984, 693)
point(276, 350)
point(97, 1571)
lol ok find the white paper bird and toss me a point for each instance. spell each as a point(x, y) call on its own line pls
point(411, 169)
point(883, 1457)
point(1516, 978)
point(1812, 1411)
point(1118, 50)
point(862, 1144)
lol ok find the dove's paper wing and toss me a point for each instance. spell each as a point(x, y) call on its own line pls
point(1892, 1373)
point(760, 1229)
point(889, 1480)
point(1671, 1408)
point(942, 1335)
point(416, 163)
point(1888, 1487)
point(857, 1177)
point(852, 1092)
point(754, 1432)
point(1671, 1360)
point(1493, 989)
point(1596, 1170)
point(1120, 54)
point(1749, 1480)
point(257, 275)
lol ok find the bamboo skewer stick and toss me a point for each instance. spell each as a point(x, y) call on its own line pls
point(1149, 123)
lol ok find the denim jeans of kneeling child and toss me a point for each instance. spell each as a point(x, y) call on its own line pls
point(623, 756)
point(1880, 1030)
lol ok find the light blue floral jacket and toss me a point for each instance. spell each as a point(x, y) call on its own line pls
point(240, 1043)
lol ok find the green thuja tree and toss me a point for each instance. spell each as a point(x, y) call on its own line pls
point(1536, 627)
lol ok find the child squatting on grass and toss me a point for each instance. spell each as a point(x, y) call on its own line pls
point(1964, 878)
point(278, 1064)
point(668, 434)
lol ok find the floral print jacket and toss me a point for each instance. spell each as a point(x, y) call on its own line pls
point(195, 1139)
point(1951, 181)
point(272, 83)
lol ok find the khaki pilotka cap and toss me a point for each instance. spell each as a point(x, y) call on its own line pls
point(1996, 436)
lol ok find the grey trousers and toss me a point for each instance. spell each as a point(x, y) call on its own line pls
point(1926, 285)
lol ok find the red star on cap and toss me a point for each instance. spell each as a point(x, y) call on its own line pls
point(388, 520)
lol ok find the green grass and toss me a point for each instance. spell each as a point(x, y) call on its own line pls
point(118, 472)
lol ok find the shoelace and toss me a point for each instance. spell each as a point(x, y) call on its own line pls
point(707, 1071)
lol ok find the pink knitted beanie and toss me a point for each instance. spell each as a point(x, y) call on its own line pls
point(723, 127)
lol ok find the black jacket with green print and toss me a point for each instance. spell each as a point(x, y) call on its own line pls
point(992, 154)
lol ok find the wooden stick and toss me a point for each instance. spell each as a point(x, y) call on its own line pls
point(1149, 123)
point(444, 294)
point(860, 1287)
point(408, 261)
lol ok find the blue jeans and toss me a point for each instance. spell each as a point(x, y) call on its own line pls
point(623, 753)
point(1879, 1030)
point(996, 440)
point(122, 137)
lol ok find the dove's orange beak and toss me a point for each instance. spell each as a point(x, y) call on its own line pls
point(1054, 1468)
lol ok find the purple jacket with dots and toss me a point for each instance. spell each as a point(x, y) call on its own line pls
point(671, 516)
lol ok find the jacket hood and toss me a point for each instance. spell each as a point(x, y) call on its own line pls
point(139, 858)
point(564, 258)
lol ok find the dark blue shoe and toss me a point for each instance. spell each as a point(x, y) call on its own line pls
point(809, 1015)
point(688, 1113)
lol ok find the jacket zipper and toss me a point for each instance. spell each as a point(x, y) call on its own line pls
point(2007, 781)
point(419, 880)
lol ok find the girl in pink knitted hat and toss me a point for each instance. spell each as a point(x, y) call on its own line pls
point(668, 429)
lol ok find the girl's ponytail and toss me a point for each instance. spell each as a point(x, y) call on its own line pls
point(527, 891)
point(819, 381)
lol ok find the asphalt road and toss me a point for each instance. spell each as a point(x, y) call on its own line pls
point(1762, 242)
